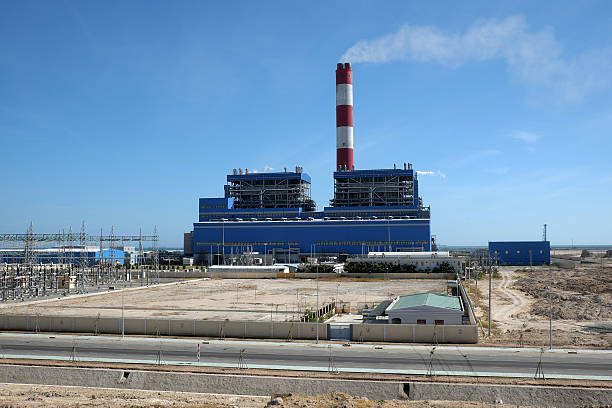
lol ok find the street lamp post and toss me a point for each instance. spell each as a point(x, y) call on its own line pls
point(489, 299)
point(223, 240)
point(550, 306)
point(317, 314)
point(122, 313)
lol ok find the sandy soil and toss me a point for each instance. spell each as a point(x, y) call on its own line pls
point(234, 299)
point(581, 305)
point(55, 396)
point(18, 395)
point(337, 399)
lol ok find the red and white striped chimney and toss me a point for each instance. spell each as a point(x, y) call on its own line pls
point(344, 117)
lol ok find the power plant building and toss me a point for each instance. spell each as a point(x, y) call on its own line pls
point(526, 253)
point(274, 214)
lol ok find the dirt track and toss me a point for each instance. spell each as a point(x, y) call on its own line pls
point(581, 306)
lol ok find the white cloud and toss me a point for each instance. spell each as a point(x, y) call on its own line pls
point(534, 57)
point(527, 137)
point(431, 173)
point(266, 168)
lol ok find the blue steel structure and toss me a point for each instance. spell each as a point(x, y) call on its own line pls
point(55, 255)
point(272, 213)
point(521, 252)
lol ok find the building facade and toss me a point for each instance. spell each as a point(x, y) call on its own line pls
point(525, 253)
point(272, 220)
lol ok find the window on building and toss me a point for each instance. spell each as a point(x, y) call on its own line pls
point(436, 322)
point(507, 252)
point(518, 251)
point(421, 321)
point(541, 252)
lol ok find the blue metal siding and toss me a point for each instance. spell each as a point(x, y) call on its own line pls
point(373, 173)
point(333, 236)
point(269, 176)
point(93, 257)
point(521, 252)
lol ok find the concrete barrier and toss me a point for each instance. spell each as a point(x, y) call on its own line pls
point(401, 333)
point(313, 275)
point(269, 385)
point(415, 333)
point(206, 328)
point(395, 276)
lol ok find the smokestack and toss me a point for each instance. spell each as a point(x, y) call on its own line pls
point(344, 117)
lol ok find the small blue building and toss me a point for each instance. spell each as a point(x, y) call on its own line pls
point(524, 253)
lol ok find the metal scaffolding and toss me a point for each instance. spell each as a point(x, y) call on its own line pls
point(374, 190)
point(33, 265)
point(289, 192)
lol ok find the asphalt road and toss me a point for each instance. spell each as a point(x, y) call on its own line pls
point(357, 357)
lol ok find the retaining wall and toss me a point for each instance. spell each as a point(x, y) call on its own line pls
point(269, 385)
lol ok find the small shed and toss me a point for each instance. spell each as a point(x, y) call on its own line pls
point(425, 308)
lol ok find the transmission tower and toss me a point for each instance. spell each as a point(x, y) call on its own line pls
point(140, 255)
point(30, 247)
point(155, 255)
point(84, 254)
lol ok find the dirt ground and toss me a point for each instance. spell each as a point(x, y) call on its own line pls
point(22, 395)
point(234, 299)
point(581, 305)
point(337, 400)
point(18, 395)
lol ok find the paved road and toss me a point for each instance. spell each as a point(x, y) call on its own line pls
point(357, 357)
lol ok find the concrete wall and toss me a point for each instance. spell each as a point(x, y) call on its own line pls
point(269, 385)
point(300, 275)
point(445, 276)
point(165, 327)
point(179, 274)
point(404, 333)
point(415, 333)
point(270, 275)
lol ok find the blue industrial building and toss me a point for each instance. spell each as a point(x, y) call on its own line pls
point(74, 255)
point(272, 213)
point(521, 252)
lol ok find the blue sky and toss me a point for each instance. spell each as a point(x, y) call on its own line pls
point(124, 113)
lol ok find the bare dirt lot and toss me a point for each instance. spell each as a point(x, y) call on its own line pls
point(45, 396)
point(19, 395)
point(338, 399)
point(581, 305)
point(234, 299)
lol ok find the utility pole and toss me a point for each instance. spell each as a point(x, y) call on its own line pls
point(550, 306)
point(490, 299)
point(122, 313)
point(317, 314)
